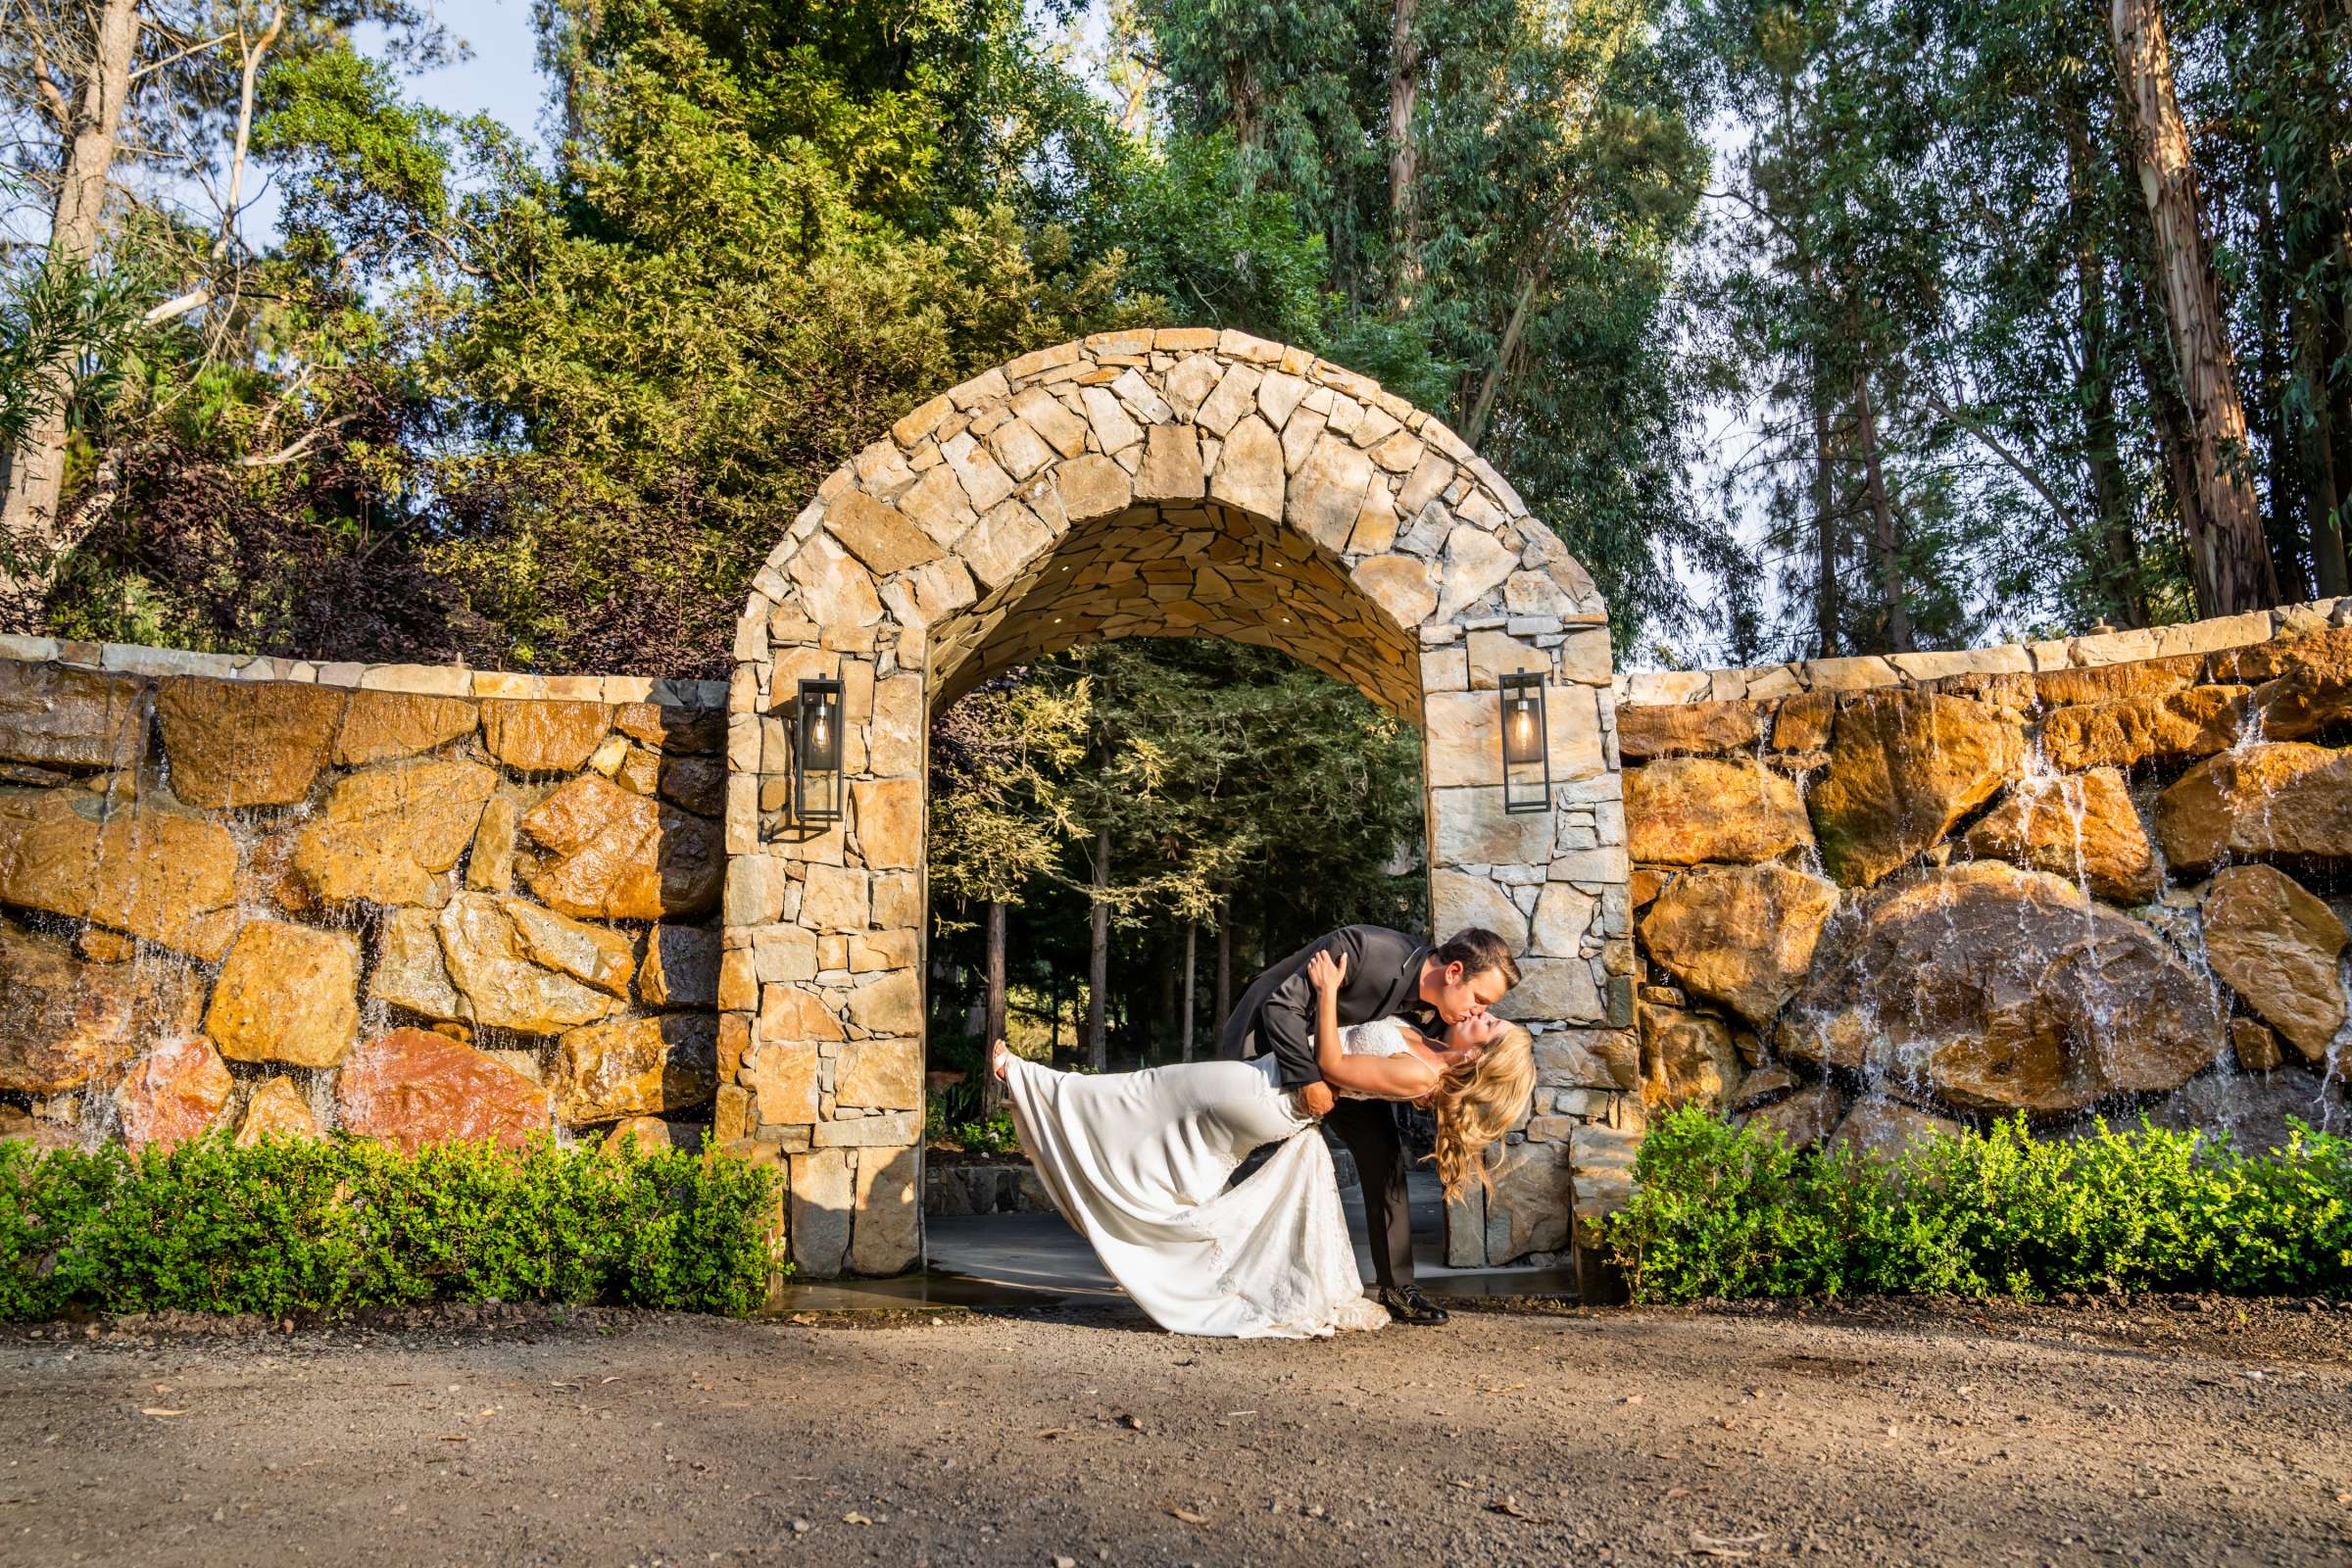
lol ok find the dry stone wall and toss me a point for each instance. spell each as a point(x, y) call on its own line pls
point(413, 903)
point(1157, 483)
point(2100, 874)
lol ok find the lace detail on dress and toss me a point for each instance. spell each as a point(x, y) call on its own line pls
point(1279, 1245)
point(1382, 1036)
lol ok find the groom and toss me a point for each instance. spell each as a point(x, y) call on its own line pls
point(1388, 975)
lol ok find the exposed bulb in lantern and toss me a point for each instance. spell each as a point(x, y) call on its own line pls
point(816, 731)
point(1523, 726)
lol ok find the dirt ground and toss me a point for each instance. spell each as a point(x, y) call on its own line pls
point(2165, 1431)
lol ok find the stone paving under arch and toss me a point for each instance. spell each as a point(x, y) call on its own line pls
point(1173, 482)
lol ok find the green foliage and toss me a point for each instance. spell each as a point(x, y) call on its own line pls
point(296, 1225)
point(1727, 1211)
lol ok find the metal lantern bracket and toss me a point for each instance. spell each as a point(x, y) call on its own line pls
point(817, 750)
point(1526, 741)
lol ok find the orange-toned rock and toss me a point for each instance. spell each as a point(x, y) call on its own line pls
point(1882, 1128)
point(2000, 989)
point(1804, 1118)
point(2195, 723)
point(649, 1133)
point(2104, 683)
point(413, 1087)
point(388, 833)
point(1903, 767)
point(2083, 827)
point(673, 730)
point(71, 717)
point(2286, 799)
point(1681, 810)
point(1686, 1058)
point(65, 1023)
point(386, 727)
point(162, 875)
point(544, 737)
point(680, 968)
point(497, 956)
point(286, 993)
point(276, 1110)
point(610, 855)
point(636, 1066)
point(1690, 729)
point(1804, 722)
point(2257, 1047)
point(173, 1093)
point(246, 743)
point(2329, 647)
point(2278, 948)
point(1742, 935)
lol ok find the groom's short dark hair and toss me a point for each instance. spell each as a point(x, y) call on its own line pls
point(1478, 949)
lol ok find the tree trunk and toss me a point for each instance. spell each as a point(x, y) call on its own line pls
point(992, 1093)
point(2101, 443)
point(1886, 544)
point(29, 539)
point(2289, 530)
point(1163, 1010)
point(1224, 1007)
point(1404, 66)
point(2228, 560)
point(1098, 958)
point(1825, 607)
point(1192, 949)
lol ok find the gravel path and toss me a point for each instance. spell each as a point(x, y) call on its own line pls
point(2174, 1432)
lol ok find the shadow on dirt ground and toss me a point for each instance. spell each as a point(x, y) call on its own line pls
point(2172, 1430)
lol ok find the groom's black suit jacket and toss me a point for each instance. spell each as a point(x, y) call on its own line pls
point(1384, 973)
point(1277, 1013)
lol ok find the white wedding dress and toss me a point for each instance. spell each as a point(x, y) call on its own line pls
point(1138, 1162)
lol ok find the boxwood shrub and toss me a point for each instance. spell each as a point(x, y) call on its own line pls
point(329, 1226)
point(1727, 1211)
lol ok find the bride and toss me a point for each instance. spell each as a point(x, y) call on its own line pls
point(1139, 1161)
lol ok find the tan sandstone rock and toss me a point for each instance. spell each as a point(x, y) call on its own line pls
point(276, 1109)
point(1999, 989)
point(2285, 799)
point(386, 727)
point(173, 1093)
point(65, 1023)
point(2083, 827)
point(409, 971)
point(161, 876)
point(1686, 1058)
point(1682, 810)
point(501, 960)
point(1693, 729)
point(413, 1087)
point(613, 856)
point(286, 993)
point(57, 718)
point(2195, 723)
point(1903, 767)
point(532, 736)
point(635, 1066)
point(387, 833)
point(1742, 935)
point(1804, 1118)
point(234, 743)
point(1880, 1128)
point(2278, 947)
point(2257, 1047)
point(649, 1134)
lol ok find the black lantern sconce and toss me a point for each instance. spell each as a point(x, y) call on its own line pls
point(817, 754)
point(1526, 744)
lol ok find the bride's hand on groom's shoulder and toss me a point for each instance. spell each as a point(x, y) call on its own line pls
point(1324, 972)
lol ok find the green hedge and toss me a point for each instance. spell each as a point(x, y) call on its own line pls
point(1734, 1211)
point(294, 1225)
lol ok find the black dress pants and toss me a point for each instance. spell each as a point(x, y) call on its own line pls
point(1368, 1127)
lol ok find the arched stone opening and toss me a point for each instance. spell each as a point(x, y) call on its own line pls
point(1168, 483)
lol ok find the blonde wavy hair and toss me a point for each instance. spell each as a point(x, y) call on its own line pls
point(1476, 1102)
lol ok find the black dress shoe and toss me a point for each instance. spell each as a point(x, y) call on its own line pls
point(1406, 1304)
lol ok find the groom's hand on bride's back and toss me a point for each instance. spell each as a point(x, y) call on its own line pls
point(1317, 1098)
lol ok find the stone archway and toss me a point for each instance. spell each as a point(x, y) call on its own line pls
point(1156, 483)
